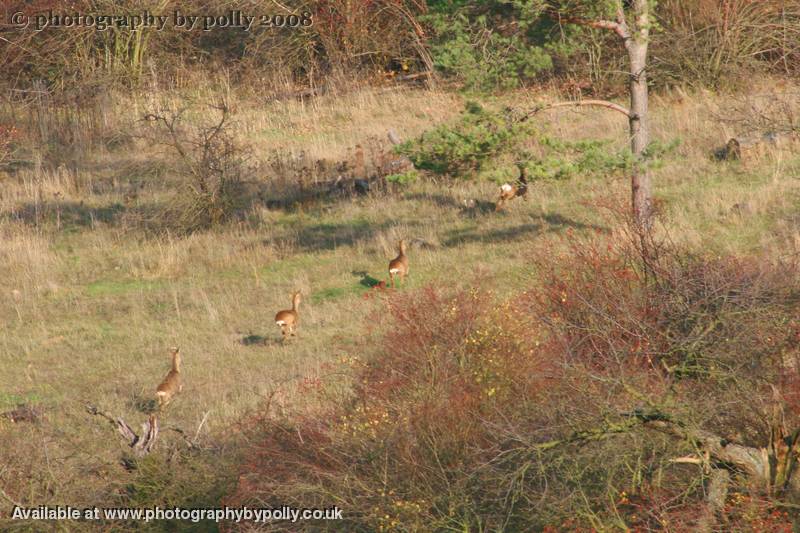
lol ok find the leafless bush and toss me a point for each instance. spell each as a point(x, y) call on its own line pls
point(764, 113)
point(713, 41)
point(210, 162)
point(297, 178)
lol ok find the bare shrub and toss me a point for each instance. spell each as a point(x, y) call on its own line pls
point(713, 41)
point(774, 113)
point(294, 179)
point(211, 164)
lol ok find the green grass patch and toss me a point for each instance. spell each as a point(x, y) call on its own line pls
point(335, 293)
point(117, 288)
point(8, 400)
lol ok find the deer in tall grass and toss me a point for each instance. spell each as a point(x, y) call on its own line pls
point(288, 318)
point(172, 384)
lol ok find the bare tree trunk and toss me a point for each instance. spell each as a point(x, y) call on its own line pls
point(636, 44)
point(641, 186)
point(636, 37)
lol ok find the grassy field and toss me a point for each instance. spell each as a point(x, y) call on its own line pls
point(92, 305)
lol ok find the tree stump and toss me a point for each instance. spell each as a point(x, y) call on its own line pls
point(141, 444)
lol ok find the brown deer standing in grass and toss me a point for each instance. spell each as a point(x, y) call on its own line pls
point(171, 385)
point(288, 319)
point(508, 192)
point(399, 265)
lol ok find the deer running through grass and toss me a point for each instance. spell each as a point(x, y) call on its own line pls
point(288, 318)
point(508, 192)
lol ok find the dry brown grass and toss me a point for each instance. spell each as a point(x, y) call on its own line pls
point(92, 303)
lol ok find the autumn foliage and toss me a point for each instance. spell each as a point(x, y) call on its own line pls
point(476, 411)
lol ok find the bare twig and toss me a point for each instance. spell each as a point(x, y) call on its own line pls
point(618, 26)
point(200, 427)
point(190, 442)
point(578, 103)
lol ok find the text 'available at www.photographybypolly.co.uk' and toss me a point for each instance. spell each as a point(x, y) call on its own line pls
point(228, 514)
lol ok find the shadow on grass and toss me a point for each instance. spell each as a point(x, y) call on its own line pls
point(366, 280)
point(144, 404)
point(556, 220)
point(70, 214)
point(553, 222)
point(254, 340)
point(467, 206)
point(67, 213)
point(260, 340)
point(326, 236)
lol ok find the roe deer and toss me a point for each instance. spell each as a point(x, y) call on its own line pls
point(508, 192)
point(399, 265)
point(171, 385)
point(288, 318)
